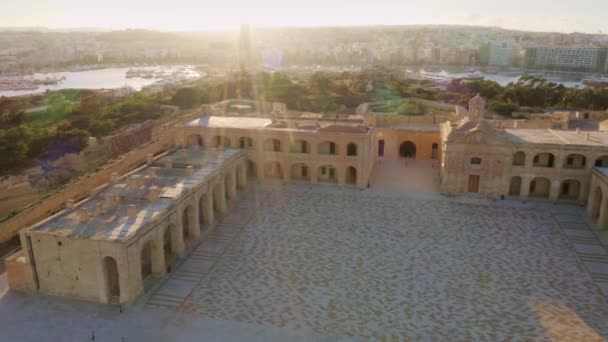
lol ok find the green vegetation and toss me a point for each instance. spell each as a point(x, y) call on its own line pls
point(64, 122)
point(529, 91)
point(65, 119)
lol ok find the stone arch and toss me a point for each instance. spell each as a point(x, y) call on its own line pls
point(273, 170)
point(407, 149)
point(220, 141)
point(351, 175)
point(245, 142)
point(300, 146)
point(596, 203)
point(515, 186)
point(327, 174)
point(272, 145)
point(543, 159)
point(195, 140)
point(601, 161)
point(251, 168)
point(352, 150)
point(570, 189)
point(169, 244)
point(540, 187)
point(187, 223)
point(145, 258)
point(575, 161)
point(519, 158)
point(327, 147)
point(300, 172)
point(112, 279)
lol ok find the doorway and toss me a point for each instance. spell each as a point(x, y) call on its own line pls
point(473, 184)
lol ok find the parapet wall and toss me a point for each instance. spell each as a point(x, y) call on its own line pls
point(83, 187)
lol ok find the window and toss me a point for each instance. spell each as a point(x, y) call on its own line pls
point(475, 161)
point(323, 170)
point(570, 161)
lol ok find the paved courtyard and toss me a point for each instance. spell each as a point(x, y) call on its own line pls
point(323, 263)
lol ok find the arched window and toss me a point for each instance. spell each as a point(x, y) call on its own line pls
point(475, 161)
point(519, 159)
point(543, 160)
point(245, 142)
point(327, 147)
point(299, 146)
point(575, 161)
point(351, 149)
point(272, 145)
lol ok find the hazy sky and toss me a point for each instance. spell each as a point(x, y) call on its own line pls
point(537, 15)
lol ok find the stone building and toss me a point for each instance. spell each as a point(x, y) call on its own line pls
point(111, 247)
point(303, 148)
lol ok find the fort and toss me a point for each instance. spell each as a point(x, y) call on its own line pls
point(112, 246)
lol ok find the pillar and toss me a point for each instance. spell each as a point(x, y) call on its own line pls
point(242, 175)
point(525, 186)
point(554, 190)
point(195, 227)
point(231, 180)
point(341, 175)
point(218, 196)
point(286, 172)
point(177, 234)
point(313, 174)
point(602, 222)
point(208, 208)
point(159, 265)
point(260, 169)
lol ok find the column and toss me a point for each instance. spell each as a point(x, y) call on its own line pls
point(177, 234)
point(260, 169)
point(242, 175)
point(525, 186)
point(208, 207)
point(286, 168)
point(602, 222)
point(218, 196)
point(232, 184)
point(313, 173)
point(159, 266)
point(341, 175)
point(554, 190)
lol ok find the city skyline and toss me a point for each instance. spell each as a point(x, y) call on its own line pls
point(189, 15)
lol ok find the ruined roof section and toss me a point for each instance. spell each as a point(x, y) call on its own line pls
point(557, 137)
point(306, 123)
point(122, 208)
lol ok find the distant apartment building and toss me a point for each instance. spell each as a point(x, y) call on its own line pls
point(584, 59)
point(497, 53)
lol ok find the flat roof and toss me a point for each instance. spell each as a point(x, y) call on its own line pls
point(109, 220)
point(303, 124)
point(558, 137)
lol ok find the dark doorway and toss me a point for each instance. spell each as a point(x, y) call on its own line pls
point(112, 277)
point(381, 148)
point(407, 149)
point(473, 183)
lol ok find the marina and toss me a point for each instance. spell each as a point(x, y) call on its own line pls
point(110, 78)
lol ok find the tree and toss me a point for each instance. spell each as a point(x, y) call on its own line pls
point(186, 98)
point(503, 108)
point(101, 128)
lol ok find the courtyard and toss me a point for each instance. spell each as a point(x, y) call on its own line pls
point(304, 262)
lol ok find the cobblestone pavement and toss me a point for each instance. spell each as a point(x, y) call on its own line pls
point(350, 263)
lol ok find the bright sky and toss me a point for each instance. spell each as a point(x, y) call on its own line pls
point(537, 15)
